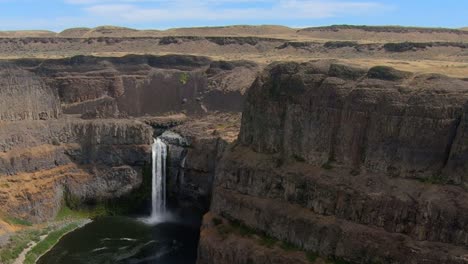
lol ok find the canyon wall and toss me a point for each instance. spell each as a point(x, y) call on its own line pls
point(137, 85)
point(74, 130)
point(297, 45)
point(359, 166)
point(24, 96)
point(386, 121)
point(350, 164)
point(195, 149)
point(45, 163)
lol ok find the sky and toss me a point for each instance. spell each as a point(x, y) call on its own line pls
point(57, 15)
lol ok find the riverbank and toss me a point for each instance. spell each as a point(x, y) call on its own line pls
point(23, 241)
point(46, 244)
point(29, 244)
point(15, 243)
point(22, 256)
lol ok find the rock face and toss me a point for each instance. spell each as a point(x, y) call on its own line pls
point(49, 157)
point(144, 85)
point(195, 148)
point(192, 167)
point(46, 158)
point(24, 96)
point(362, 166)
point(385, 121)
point(95, 150)
point(42, 162)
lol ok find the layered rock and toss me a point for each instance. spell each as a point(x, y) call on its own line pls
point(195, 148)
point(98, 157)
point(227, 247)
point(99, 87)
point(385, 121)
point(44, 162)
point(24, 96)
point(350, 164)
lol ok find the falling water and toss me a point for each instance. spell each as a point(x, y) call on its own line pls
point(159, 150)
point(182, 172)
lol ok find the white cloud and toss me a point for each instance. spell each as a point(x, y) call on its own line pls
point(215, 2)
point(208, 10)
point(162, 14)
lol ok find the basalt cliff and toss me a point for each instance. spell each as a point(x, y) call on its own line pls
point(322, 157)
point(346, 164)
point(79, 130)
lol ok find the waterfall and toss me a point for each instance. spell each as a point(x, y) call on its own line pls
point(182, 172)
point(158, 195)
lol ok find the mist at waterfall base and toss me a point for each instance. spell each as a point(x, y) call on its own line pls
point(165, 236)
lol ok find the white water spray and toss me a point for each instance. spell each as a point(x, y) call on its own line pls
point(159, 152)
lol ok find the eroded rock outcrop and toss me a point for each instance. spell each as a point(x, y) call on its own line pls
point(24, 96)
point(195, 148)
point(42, 162)
point(137, 85)
point(95, 150)
point(363, 166)
point(47, 157)
point(383, 122)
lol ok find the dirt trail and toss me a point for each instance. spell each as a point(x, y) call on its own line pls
point(22, 256)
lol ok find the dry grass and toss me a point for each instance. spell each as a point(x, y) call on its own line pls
point(449, 68)
point(273, 31)
point(16, 190)
point(445, 60)
point(6, 227)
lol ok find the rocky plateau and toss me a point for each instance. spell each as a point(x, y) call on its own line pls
point(295, 145)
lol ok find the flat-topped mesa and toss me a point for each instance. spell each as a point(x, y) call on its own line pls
point(381, 120)
point(24, 96)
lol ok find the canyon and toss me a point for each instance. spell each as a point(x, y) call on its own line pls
point(299, 146)
point(361, 166)
point(86, 130)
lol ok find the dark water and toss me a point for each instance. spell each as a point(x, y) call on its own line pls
point(120, 240)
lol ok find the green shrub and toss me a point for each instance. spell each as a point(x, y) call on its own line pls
point(184, 78)
point(225, 230)
point(17, 221)
point(242, 229)
point(216, 221)
point(18, 242)
point(267, 241)
point(289, 246)
point(311, 256)
point(435, 179)
point(338, 260)
point(67, 213)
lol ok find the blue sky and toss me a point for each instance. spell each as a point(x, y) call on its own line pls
point(57, 15)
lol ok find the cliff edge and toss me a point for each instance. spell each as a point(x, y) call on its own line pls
point(353, 165)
